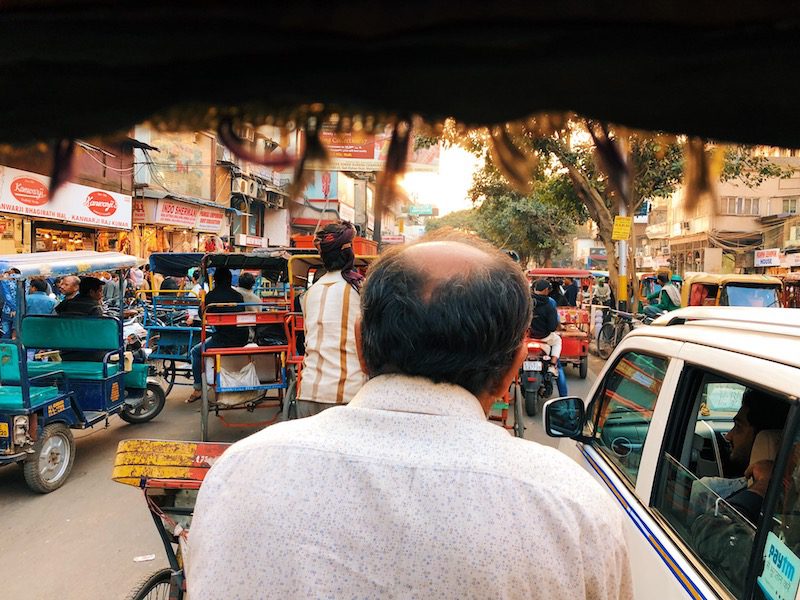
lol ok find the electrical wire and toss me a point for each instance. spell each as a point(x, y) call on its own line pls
point(100, 162)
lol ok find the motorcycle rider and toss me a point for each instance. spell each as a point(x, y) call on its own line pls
point(543, 327)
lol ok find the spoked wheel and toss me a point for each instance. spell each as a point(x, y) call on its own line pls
point(621, 331)
point(167, 370)
point(154, 587)
point(51, 462)
point(519, 424)
point(605, 340)
point(152, 403)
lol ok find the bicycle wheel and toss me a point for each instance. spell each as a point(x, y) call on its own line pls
point(622, 329)
point(605, 340)
point(154, 587)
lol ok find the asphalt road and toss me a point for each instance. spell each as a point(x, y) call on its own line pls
point(80, 541)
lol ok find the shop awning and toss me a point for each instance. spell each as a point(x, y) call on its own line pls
point(162, 194)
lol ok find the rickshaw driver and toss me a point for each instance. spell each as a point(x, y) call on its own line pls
point(229, 336)
point(669, 297)
point(332, 373)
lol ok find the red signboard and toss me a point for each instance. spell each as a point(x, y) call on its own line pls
point(101, 204)
point(29, 191)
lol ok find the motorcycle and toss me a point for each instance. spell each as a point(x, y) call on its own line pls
point(536, 379)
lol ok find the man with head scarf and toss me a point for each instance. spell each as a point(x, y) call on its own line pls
point(331, 370)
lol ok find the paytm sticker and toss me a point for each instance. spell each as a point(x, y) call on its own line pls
point(779, 579)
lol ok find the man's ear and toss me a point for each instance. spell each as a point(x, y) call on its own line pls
point(359, 346)
point(519, 357)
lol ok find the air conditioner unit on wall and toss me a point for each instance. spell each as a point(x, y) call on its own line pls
point(279, 201)
point(262, 192)
point(252, 188)
point(240, 185)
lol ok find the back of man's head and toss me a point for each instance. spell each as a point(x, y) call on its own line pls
point(764, 411)
point(542, 286)
point(450, 308)
point(662, 278)
point(335, 245)
point(247, 281)
point(38, 285)
point(222, 277)
point(89, 284)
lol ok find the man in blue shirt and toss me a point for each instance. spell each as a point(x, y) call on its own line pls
point(37, 301)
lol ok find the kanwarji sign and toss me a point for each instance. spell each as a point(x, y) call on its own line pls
point(25, 193)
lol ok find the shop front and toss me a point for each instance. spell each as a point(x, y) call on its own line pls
point(77, 217)
point(172, 224)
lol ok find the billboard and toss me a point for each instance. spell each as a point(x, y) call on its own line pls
point(354, 151)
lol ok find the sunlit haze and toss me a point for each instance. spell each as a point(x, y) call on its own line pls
point(446, 189)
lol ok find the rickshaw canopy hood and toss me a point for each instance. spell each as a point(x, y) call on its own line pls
point(485, 63)
point(717, 279)
point(174, 264)
point(54, 264)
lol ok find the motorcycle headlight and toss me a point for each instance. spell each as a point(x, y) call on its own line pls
point(20, 430)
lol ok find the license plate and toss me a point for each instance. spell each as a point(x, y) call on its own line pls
point(4, 430)
point(532, 365)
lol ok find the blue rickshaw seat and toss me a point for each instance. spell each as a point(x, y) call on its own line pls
point(72, 369)
point(11, 396)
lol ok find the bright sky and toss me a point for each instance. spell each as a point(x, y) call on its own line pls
point(446, 189)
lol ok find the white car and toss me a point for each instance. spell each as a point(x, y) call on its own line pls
point(655, 432)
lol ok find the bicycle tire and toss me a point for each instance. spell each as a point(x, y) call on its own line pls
point(155, 586)
point(622, 329)
point(605, 340)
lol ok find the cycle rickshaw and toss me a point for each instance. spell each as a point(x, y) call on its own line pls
point(42, 401)
point(242, 378)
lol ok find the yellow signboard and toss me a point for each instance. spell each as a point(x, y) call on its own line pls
point(622, 228)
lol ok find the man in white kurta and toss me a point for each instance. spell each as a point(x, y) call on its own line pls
point(408, 491)
point(331, 372)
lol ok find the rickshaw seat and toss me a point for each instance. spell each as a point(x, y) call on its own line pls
point(72, 369)
point(11, 396)
point(72, 333)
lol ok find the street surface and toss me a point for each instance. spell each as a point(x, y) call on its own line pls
point(80, 541)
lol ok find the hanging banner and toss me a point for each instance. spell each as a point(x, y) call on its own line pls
point(26, 193)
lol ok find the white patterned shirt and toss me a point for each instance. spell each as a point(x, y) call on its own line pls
point(331, 372)
point(407, 492)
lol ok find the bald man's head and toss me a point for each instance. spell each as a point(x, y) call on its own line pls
point(452, 309)
point(69, 285)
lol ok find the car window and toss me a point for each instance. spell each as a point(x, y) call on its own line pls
point(625, 409)
point(702, 491)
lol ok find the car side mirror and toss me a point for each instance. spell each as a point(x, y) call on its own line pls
point(564, 417)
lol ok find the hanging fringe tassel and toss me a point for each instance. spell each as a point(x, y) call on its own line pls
point(62, 164)
point(396, 159)
point(697, 171)
point(241, 150)
point(517, 167)
point(314, 151)
point(610, 157)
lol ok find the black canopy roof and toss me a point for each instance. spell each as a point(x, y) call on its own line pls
point(71, 68)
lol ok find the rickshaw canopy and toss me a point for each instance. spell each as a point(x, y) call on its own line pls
point(47, 264)
point(174, 264)
point(273, 265)
point(725, 279)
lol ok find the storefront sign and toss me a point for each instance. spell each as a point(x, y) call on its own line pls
point(209, 219)
point(767, 258)
point(26, 193)
point(176, 213)
point(791, 260)
point(420, 209)
point(393, 239)
point(252, 241)
point(347, 213)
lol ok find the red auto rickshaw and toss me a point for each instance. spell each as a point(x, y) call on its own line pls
point(575, 320)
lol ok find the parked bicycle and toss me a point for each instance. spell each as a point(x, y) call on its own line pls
point(614, 329)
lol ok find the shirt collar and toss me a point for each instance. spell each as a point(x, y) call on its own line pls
point(403, 393)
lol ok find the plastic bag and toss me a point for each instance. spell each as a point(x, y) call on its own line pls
point(247, 376)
